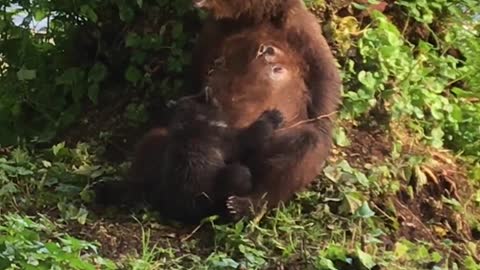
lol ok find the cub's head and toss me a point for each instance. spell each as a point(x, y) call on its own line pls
point(194, 117)
point(234, 9)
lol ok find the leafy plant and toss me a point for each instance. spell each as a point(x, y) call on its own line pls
point(29, 244)
point(80, 55)
point(420, 81)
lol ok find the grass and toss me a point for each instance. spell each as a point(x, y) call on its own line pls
point(361, 214)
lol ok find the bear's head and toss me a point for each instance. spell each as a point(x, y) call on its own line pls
point(257, 73)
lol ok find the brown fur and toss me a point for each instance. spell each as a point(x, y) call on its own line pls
point(139, 179)
point(235, 29)
point(201, 164)
point(188, 172)
point(256, 87)
point(299, 28)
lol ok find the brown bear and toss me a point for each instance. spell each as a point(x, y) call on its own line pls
point(295, 155)
point(275, 74)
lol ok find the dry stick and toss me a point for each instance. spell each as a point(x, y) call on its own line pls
point(311, 120)
point(190, 97)
point(192, 233)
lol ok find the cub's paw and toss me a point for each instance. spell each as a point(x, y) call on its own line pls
point(239, 207)
point(275, 117)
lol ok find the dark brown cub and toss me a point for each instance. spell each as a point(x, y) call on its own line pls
point(188, 173)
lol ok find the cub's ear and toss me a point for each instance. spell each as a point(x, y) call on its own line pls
point(200, 3)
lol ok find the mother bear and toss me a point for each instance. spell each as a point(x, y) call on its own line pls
point(297, 153)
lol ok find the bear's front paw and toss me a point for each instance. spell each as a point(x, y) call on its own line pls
point(275, 117)
point(239, 207)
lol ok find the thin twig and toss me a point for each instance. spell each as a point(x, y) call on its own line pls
point(311, 120)
point(190, 96)
point(192, 233)
point(384, 213)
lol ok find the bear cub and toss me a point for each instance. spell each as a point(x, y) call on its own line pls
point(188, 170)
point(202, 163)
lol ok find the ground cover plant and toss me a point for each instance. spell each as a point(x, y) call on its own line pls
point(80, 81)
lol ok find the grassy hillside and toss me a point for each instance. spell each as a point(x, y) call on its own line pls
point(400, 190)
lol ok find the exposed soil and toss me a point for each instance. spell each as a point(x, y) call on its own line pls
point(368, 145)
point(125, 236)
point(429, 213)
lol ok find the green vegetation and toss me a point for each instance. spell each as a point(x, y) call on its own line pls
point(400, 191)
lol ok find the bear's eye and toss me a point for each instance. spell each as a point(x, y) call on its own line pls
point(277, 73)
point(277, 69)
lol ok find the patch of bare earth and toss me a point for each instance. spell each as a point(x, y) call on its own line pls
point(368, 145)
point(125, 237)
point(434, 204)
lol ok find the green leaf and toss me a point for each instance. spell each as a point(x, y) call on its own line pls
point(133, 74)
point(97, 73)
point(359, 6)
point(70, 76)
point(39, 14)
point(366, 259)
point(367, 79)
point(470, 264)
point(46, 164)
point(26, 74)
point(132, 40)
point(362, 179)
point(93, 93)
point(457, 113)
point(78, 92)
point(421, 178)
point(126, 13)
point(351, 202)
point(437, 137)
point(82, 216)
point(325, 264)
point(8, 189)
point(89, 13)
point(401, 250)
point(462, 93)
point(57, 148)
point(336, 252)
point(341, 138)
point(364, 211)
